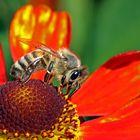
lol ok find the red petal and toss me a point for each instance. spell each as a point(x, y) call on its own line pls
point(111, 86)
point(50, 3)
point(41, 24)
point(123, 124)
point(3, 76)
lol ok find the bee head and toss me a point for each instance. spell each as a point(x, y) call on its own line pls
point(69, 58)
point(74, 75)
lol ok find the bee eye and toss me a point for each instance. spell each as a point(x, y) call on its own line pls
point(75, 74)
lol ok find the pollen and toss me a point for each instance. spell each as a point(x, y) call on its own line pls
point(36, 111)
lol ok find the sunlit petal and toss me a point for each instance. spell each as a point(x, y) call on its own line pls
point(3, 76)
point(122, 124)
point(41, 24)
point(111, 86)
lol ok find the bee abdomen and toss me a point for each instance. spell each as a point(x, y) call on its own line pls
point(33, 61)
point(23, 63)
point(16, 70)
point(28, 58)
point(19, 67)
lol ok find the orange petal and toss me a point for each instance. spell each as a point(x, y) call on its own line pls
point(3, 76)
point(123, 124)
point(41, 24)
point(50, 3)
point(111, 86)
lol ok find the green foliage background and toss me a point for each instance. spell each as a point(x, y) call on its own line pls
point(101, 28)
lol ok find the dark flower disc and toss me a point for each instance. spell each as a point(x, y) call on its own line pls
point(29, 107)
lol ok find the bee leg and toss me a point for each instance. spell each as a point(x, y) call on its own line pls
point(77, 86)
point(25, 77)
point(27, 74)
point(51, 78)
point(60, 88)
point(68, 89)
point(49, 75)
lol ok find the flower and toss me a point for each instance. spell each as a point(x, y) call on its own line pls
point(46, 26)
point(50, 3)
point(41, 24)
point(111, 93)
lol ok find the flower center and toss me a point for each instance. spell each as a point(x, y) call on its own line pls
point(34, 111)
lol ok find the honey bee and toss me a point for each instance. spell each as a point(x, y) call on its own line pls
point(63, 65)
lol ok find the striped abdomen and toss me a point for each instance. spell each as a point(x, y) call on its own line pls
point(31, 62)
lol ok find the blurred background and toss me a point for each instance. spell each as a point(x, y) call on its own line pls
point(100, 28)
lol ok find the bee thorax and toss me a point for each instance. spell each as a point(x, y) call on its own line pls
point(69, 58)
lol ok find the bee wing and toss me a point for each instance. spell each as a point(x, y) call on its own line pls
point(50, 51)
point(38, 45)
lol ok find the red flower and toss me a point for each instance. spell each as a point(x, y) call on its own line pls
point(41, 24)
point(51, 3)
point(111, 92)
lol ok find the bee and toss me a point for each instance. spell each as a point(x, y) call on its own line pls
point(63, 65)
